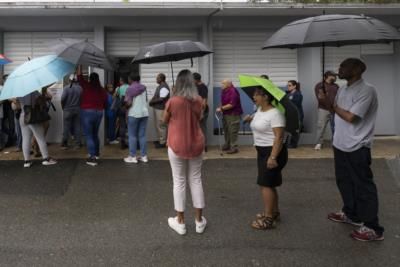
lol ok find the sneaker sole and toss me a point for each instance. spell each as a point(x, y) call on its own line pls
point(345, 222)
point(48, 164)
point(363, 240)
point(91, 164)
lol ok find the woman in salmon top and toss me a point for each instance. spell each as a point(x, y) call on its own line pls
point(185, 147)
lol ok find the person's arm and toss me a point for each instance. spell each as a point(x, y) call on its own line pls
point(64, 97)
point(344, 114)
point(276, 147)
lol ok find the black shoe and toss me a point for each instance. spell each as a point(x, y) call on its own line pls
point(232, 151)
point(124, 145)
point(91, 162)
point(160, 145)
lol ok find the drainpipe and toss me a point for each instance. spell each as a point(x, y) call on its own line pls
point(210, 44)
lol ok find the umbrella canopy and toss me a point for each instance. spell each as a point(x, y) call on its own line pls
point(332, 30)
point(81, 52)
point(282, 102)
point(170, 51)
point(35, 74)
point(4, 60)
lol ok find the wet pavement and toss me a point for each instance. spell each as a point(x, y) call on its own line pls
point(115, 214)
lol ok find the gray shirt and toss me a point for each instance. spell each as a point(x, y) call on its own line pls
point(71, 97)
point(361, 99)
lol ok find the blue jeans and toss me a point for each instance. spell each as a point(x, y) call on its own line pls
point(111, 127)
point(91, 120)
point(137, 131)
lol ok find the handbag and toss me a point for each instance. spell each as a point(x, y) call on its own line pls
point(36, 113)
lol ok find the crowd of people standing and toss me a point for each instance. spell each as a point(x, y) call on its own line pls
point(179, 119)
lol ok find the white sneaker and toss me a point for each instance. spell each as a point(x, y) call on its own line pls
point(318, 147)
point(49, 161)
point(201, 226)
point(180, 228)
point(144, 159)
point(114, 142)
point(28, 164)
point(131, 159)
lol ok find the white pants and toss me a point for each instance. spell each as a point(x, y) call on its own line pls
point(182, 170)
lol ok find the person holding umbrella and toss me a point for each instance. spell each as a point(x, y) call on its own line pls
point(231, 109)
point(35, 129)
point(185, 148)
point(355, 114)
point(268, 126)
point(93, 102)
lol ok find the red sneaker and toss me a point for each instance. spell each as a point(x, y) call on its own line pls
point(342, 218)
point(366, 234)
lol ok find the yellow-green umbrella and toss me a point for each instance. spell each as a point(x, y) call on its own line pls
point(250, 83)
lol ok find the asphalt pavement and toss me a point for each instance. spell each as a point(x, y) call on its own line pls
point(115, 214)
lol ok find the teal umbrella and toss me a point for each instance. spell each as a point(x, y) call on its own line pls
point(35, 74)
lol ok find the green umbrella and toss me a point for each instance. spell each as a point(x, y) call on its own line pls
point(250, 83)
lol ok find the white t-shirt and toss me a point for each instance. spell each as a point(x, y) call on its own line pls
point(164, 92)
point(262, 124)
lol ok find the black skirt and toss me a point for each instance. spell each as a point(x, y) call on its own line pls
point(270, 177)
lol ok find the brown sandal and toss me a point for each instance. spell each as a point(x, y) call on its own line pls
point(264, 223)
point(276, 216)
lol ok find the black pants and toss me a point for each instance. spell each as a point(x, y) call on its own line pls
point(354, 179)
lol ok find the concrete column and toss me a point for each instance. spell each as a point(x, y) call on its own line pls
point(99, 41)
point(309, 73)
point(1, 52)
point(395, 82)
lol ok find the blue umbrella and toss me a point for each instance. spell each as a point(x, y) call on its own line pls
point(35, 74)
point(4, 60)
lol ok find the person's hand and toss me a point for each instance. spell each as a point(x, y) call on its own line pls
point(247, 118)
point(218, 110)
point(271, 163)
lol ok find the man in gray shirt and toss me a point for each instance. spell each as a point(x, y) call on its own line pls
point(355, 113)
point(70, 103)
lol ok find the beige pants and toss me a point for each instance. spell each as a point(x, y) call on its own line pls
point(160, 126)
point(186, 170)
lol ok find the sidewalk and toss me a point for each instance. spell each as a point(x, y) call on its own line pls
point(384, 147)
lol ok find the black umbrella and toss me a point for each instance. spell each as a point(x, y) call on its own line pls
point(332, 30)
point(81, 52)
point(171, 51)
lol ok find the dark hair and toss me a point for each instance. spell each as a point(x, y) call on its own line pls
point(196, 76)
point(134, 77)
point(329, 73)
point(124, 78)
point(355, 63)
point(265, 76)
point(162, 77)
point(261, 91)
point(94, 79)
point(295, 83)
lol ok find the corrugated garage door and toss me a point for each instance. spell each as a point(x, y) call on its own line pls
point(238, 52)
point(127, 43)
point(19, 46)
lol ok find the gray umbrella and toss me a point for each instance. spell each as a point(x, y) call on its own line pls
point(332, 30)
point(171, 51)
point(81, 52)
